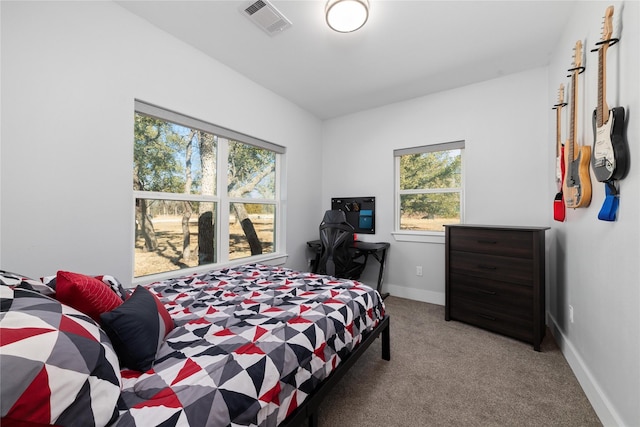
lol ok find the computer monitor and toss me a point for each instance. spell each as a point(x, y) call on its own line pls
point(360, 212)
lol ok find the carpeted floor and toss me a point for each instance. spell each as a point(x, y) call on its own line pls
point(452, 374)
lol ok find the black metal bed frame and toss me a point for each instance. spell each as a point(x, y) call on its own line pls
point(309, 409)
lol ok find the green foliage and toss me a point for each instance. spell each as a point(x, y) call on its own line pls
point(165, 154)
point(155, 145)
point(251, 171)
point(440, 171)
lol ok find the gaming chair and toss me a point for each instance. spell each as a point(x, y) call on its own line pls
point(338, 257)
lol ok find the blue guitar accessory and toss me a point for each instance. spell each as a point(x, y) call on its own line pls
point(610, 206)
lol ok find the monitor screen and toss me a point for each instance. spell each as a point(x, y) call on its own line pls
point(360, 212)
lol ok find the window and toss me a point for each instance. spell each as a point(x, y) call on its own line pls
point(203, 194)
point(429, 187)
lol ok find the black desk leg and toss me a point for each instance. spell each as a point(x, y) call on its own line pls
point(382, 260)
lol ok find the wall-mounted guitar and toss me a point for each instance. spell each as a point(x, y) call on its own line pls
point(610, 159)
point(559, 210)
point(577, 182)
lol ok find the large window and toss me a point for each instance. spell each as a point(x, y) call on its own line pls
point(429, 187)
point(203, 194)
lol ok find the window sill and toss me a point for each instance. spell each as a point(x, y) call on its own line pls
point(418, 237)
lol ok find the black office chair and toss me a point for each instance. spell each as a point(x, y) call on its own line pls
point(338, 257)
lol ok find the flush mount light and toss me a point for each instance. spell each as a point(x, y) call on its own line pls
point(346, 16)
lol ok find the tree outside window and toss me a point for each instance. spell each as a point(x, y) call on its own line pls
point(429, 186)
point(180, 165)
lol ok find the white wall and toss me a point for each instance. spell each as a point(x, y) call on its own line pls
point(70, 74)
point(596, 262)
point(504, 125)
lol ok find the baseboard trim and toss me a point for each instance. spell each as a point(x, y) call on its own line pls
point(598, 399)
point(415, 294)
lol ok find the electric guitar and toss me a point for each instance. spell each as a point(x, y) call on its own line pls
point(577, 182)
point(610, 160)
point(559, 210)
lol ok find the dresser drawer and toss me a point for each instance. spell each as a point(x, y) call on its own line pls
point(487, 317)
point(504, 297)
point(495, 279)
point(514, 270)
point(505, 243)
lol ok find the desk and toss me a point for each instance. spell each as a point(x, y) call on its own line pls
point(377, 250)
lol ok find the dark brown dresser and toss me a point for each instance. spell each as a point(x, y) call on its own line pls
point(495, 279)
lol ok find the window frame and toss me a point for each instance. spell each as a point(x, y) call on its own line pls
point(426, 236)
point(221, 199)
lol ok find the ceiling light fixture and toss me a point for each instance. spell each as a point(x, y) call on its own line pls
point(346, 16)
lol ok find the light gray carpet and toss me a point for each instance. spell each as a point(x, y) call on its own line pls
point(452, 374)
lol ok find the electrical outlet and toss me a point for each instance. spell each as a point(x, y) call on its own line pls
point(419, 270)
point(571, 313)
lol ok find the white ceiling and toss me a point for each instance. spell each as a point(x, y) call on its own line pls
point(406, 49)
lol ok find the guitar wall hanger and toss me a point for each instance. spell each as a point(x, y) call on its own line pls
point(609, 42)
point(613, 187)
point(579, 69)
point(556, 106)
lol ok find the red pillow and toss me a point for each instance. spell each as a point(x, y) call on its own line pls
point(86, 294)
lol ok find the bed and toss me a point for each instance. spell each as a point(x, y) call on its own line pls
point(252, 345)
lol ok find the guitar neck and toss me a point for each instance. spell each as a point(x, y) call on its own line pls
point(602, 108)
point(574, 122)
point(558, 133)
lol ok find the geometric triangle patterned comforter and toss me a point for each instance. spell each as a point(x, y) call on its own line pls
point(250, 344)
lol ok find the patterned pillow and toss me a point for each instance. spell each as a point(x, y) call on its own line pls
point(57, 365)
point(85, 293)
point(17, 280)
point(137, 329)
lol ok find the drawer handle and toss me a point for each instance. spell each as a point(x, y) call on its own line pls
point(487, 242)
point(486, 267)
point(487, 317)
point(482, 291)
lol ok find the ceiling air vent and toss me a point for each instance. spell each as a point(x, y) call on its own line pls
point(267, 17)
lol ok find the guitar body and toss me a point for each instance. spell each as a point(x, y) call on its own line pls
point(610, 157)
point(577, 183)
point(559, 210)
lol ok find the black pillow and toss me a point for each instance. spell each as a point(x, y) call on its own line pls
point(137, 329)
